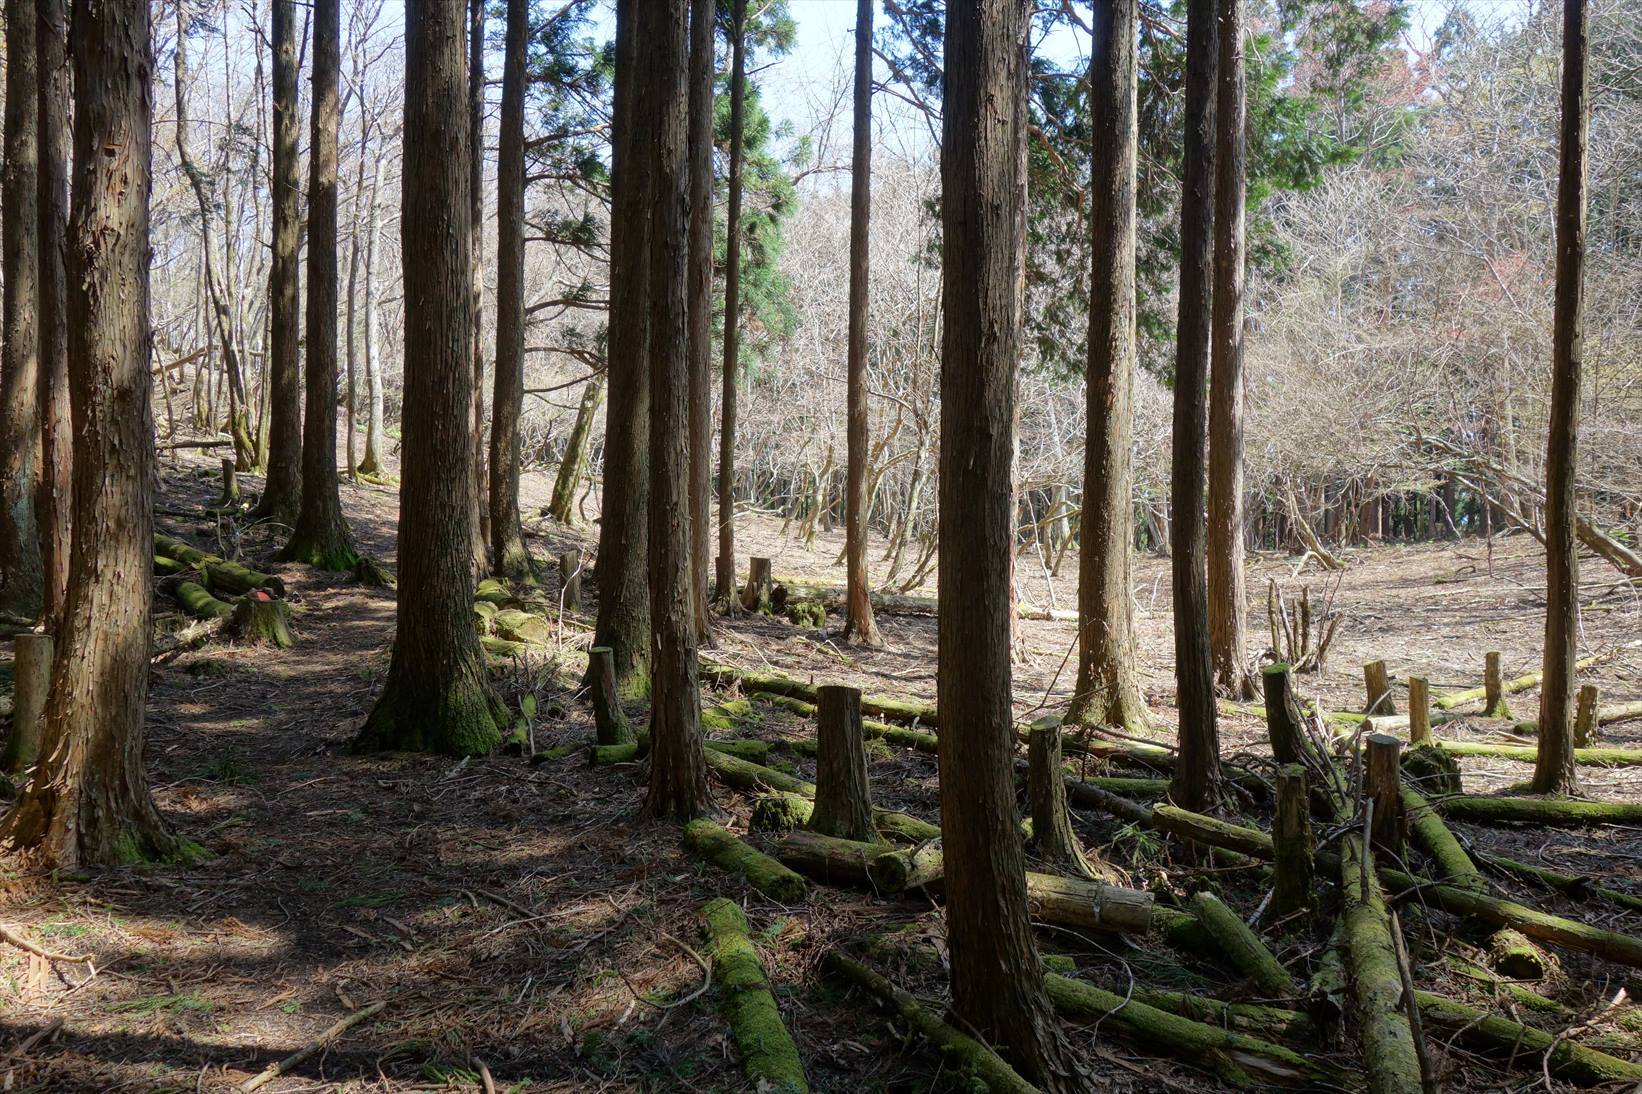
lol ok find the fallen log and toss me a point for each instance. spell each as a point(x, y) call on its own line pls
point(895, 735)
point(1520, 683)
point(900, 870)
point(1242, 947)
point(1390, 1055)
point(200, 604)
point(1585, 757)
point(1580, 888)
point(1525, 1046)
point(1259, 1019)
point(768, 1055)
point(1554, 813)
point(756, 752)
point(828, 859)
point(222, 576)
point(775, 683)
point(733, 855)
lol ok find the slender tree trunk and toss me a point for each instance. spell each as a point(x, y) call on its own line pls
point(437, 697)
point(371, 463)
point(1555, 772)
point(479, 492)
point(678, 769)
point(858, 621)
point(1108, 691)
point(321, 536)
point(508, 554)
point(355, 252)
point(997, 982)
point(623, 621)
point(732, 309)
point(562, 507)
point(1197, 775)
point(89, 801)
point(282, 491)
point(20, 431)
point(703, 22)
point(54, 508)
point(1227, 597)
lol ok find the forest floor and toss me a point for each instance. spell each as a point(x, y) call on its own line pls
point(517, 920)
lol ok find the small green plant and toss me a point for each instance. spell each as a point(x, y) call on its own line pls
point(152, 1004)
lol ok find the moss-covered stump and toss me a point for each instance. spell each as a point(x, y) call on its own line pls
point(1432, 770)
point(521, 626)
point(970, 1058)
point(768, 1055)
point(1524, 1046)
point(726, 716)
point(264, 621)
point(807, 613)
point(200, 604)
point(493, 591)
point(731, 854)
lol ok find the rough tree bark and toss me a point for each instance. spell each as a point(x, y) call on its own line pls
point(725, 578)
point(678, 771)
point(478, 492)
point(321, 537)
point(89, 801)
point(1197, 776)
point(1554, 771)
point(282, 490)
point(1227, 596)
point(1108, 691)
point(703, 21)
point(53, 509)
point(858, 621)
point(20, 564)
point(508, 555)
point(843, 794)
point(997, 982)
point(436, 697)
point(623, 621)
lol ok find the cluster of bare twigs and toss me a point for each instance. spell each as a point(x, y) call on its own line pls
point(1300, 635)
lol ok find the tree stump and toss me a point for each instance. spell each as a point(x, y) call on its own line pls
point(1419, 711)
point(32, 683)
point(843, 796)
point(1493, 683)
point(1052, 836)
point(610, 723)
point(230, 483)
point(1378, 684)
point(1284, 723)
point(1294, 873)
point(263, 621)
point(570, 576)
point(1585, 716)
point(756, 596)
point(1382, 765)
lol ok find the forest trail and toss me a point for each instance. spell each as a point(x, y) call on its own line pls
point(513, 914)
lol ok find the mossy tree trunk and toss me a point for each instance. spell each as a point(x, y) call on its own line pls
point(89, 801)
point(436, 697)
point(562, 506)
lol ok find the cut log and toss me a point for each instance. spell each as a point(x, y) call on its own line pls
point(1260, 1020)
point(1095, 905)
point(200, 604)
point(1382, 782)
point(895, 735)
point(1293, 875)
point(493, 591)
point(898, 871)
point(768, 1055)
point(1549, 812)
point(1515, 957)
point(1209, 831)
point(1242, 948)
point(187, 553)
point(756, 596)
point(1580, 888)
point(827, 859)
point(1053, 839)
point(1525, 1046)
point(517, 625)
point(610, 722)
point(31, 684)
point(756, 752)
point(1419, 711)
point(1585, 717)
point(1377, 683)
point(843, 797)
point(263, 621)
point(1521, 683)
point(1390, 1056)
point(1585, 757)
point(962, 1052)
point(733, 855)
point(1454, 866)
point(775, 683)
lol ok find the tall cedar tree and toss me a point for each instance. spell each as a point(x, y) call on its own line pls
point(437, 697)
point(1108, 691)
point(508, 554)
point(726, 576)
point(1197, 776)
point(997, 982)
point(54, 506)
point(858, 621)
point(282, 490)
point(1555, 772)
point(20, 574)
point(89, 802)
point(478, 485)
point(678, 770)
point(321, 535)
point(623, 621)
point(703, 24)
point(1225, 551)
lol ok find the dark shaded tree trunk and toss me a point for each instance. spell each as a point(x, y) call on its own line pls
point(89, 801)
point(1227, 596)
point(508, 554)
point(858, 621)
point(321, 536)
point(1554, 771)
point(478, 488)
point(843, 794)
point(703, 21)
point(732, 309)
point(678, 769)
point(55, 505)
point(436, 697)
point(623, 621)
point(1108, 692)
point(1197, 776)
point(282, 490)
point(21, 578)
point(997, 982)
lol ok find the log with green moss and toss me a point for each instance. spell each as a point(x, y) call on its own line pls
point(750, 776)
point(733, 855)
point(1210, 832)
point(828, 859)
point(1585, 757)
point(756, 752)
point(898, 870)
point(1525, 1046)
point(264, 621)
point(187, 553)
point(1242, 948)
point(1390, 1056)
point(895, 735)
point(200, 604)
point(768, 1055)
point(1259, 1019)
point(493, 591)
point(969, 1058)
point(1455, 699)
point(1437, 840)
point(1574, 885)
point(775, 683)
point(230, 577)
point(1546, 812)
point(168, 567)
point(516, 625)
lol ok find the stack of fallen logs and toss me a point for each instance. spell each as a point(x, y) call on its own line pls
point(219, 594)
point(1343, 804)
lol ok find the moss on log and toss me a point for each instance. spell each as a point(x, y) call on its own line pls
point(1242, 948)
point(750, 776)
point(493, 591)
point(1258, 1019)
point(1211, 832)
point(1453, 864)
point(1580, 888)
point(775, 683)
point(1390, 1056)
point(1511, 687)
point(230, 577)
point(731, 854)
point(200, 604)
point(755, 752)
point(1515, 957)
point(895, 735)
point(768, 1055)
point(168, 567)
point(969, 1057)
point(828, 859)
point(896, 871)
point(1585, 757)
point(1549, 812)
point(1525, 1046)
